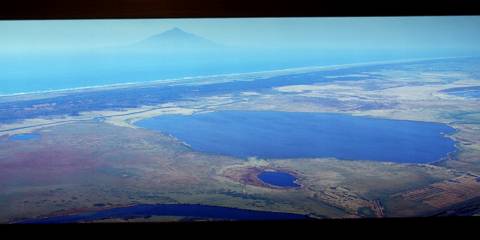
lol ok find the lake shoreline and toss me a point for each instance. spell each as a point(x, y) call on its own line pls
point(240, 127)
point(180, 210)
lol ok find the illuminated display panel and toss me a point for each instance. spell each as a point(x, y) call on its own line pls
point(164, 120)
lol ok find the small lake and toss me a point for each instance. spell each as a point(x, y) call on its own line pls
point(181, 210)
point(25, 136)
point(268, 134)
point(279, 179)
point(467, 92)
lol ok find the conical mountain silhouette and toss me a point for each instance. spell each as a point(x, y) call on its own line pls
point(176, 39)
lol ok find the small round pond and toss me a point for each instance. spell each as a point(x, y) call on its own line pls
point(279, 179)
point(24, 136)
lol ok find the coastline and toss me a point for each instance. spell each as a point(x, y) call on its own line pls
point(128, 116)
point(204, 79)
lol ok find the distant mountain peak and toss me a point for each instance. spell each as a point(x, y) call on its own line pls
point(175, 31)
point(176, 39)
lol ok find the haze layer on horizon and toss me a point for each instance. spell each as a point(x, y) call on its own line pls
point(453, 34)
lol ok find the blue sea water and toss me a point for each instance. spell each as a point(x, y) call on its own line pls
point(280, 179)
point(182, 210)
point(269, 134)
point(32, 72)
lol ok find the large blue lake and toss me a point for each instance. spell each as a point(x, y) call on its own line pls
point(182, 210)
point(268, 134)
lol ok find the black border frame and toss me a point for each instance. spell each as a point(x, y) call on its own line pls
point(114, 9)
point(133, 9)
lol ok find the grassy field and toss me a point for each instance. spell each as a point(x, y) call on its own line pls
point(98, 159)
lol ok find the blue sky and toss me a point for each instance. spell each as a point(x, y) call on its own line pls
point(457, 32)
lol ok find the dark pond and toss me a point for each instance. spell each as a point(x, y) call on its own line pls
point(182, 210)
point(280, 179)
point(468, 92)
point(25, 136)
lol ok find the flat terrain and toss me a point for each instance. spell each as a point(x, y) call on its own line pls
point(91, 156)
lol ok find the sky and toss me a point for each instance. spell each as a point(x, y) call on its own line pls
point(453, 32)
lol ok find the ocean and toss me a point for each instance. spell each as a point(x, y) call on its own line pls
point(34, 72)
